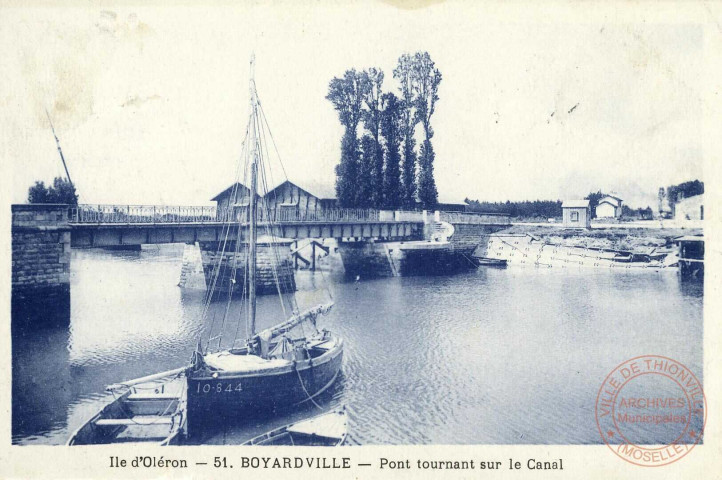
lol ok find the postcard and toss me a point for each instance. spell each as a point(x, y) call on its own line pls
point(392, 239)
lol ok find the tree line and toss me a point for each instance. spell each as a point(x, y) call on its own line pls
point(542, 209)
point(380, 166)
point(675, 193)
point(640, 213)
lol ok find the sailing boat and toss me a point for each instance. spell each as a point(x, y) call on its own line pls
point(271, 369)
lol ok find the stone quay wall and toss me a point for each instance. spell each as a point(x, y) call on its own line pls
point(367, 260)
point(468, 237)
point(40, 257)
point(394, 259)
point(40, 246)
point(391, 259)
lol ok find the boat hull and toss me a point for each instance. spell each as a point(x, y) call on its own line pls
point(218, 395)
point(318, 437)
point(135, 418)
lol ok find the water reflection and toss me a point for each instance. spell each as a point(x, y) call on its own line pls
point(492, 356)
point(41, 379)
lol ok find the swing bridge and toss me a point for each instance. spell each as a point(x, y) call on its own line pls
point(43, 234)
point(119, 225)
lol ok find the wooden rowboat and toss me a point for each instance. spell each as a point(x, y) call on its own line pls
point(490, 262)
point(327, 430)
point(158, 418)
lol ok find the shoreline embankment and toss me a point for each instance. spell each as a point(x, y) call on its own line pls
point(609, 236)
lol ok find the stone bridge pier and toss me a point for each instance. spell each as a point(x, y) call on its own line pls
point(225, 271)
point(40, 262)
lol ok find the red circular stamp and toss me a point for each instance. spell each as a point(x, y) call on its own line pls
point(651, 410)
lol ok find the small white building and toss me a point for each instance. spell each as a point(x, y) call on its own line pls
point(691, 208)
point(609, 207)
point(576, 214)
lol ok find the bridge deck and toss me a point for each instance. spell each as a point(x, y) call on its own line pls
point(112, 225)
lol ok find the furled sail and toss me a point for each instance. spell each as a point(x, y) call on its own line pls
point(308, 315)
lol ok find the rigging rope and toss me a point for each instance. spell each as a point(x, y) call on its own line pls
point(304, 387)
point(280, 161)
point(255, 148)
point(221, 249)
point(271, 234)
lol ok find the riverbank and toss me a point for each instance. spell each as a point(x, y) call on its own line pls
point(612, 236)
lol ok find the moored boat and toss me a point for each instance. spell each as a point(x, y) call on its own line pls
point(268, 370)
point(138, 416)
point(271, 369)
point(327, 430)
point(490, 262)
point(293, 372)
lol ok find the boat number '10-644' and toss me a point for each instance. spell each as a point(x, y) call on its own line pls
point(219, 387)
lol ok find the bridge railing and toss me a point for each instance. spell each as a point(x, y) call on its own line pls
point(327, 215)
point(154, 214)
point(477, 218)
point(142, 214)
point(210, 214)
point(290, 215)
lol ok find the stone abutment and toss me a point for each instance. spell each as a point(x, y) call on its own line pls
point(40, 261)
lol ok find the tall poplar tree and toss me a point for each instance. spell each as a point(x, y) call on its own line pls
point(391, 123)
point(404, 73)
point(346, 95)
point(426, 84)
point(365, 186)
point(374, 79)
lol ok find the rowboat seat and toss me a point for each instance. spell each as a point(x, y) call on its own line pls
point(230, 362)
point(152, 396)
point(136, 420)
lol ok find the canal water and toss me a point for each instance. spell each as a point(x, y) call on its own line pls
point(493, 356)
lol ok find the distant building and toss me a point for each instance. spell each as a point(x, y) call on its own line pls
point(237, 195)
point(450, 204)
point(284, 197)
point(307, 198)
point(691, 208)
point(285, 194)
point(576, 214)
point(609, 207)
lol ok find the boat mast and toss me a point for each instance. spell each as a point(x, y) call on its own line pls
point(253, 205)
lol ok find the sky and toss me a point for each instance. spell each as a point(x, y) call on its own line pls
point(150, 104)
